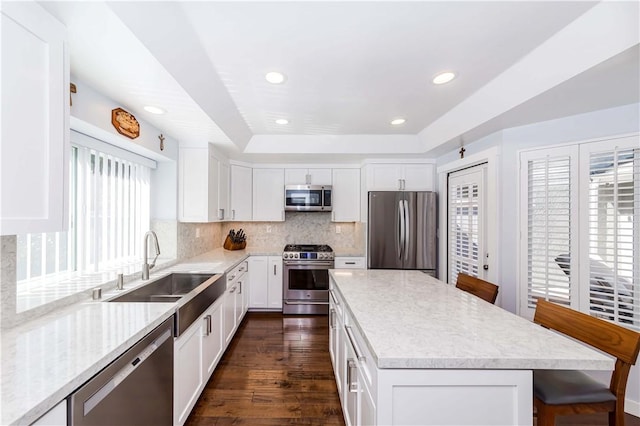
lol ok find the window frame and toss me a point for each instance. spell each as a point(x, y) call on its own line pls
point(579, 153)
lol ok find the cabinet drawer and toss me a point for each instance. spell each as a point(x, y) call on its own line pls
point(236, 273)
point(350, 263)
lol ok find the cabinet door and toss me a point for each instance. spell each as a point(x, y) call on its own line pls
point(194, 181)
point(268, 195)
point(418, 177)
point(241, 193)
point(223, 212)
point(212, 344)
point(187, 369)
point(319, 176)
point(258, 281)
point(275, 282)
point(229, 314)
point(57, 416)
point(239, 312)
point(350, 386)
point(295, 176)
point(35, 118)
point(384, 177)
point(366, 404)
point(245, 290)
point(346, 195)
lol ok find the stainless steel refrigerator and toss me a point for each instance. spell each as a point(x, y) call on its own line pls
point(402, 231)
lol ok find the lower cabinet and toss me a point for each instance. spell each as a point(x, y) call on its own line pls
point(199, 349)
point(265, 282)
point(352, 366)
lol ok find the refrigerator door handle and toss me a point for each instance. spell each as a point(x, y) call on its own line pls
point(407, 231)
point(402, 234)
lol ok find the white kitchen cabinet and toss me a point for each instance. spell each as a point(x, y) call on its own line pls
point(275, 283)
point(212, 343)
point(224, 200)
point(57, 416)
point(35, 117)
point(345, 195)
point(188, 378)
point(400, 177)
point(234, 304)
point(268, 195)
point(203, 185)
point(241, 193)
point(350, 263)
point(196, 354)
point(302, 176)
point(265, 282)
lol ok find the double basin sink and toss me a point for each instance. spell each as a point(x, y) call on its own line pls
point(202, 289)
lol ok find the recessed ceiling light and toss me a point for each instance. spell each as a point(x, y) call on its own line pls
point(282, 121)
point(274, 77)
point(398, 121)
point(444, 77)
point(154, 110)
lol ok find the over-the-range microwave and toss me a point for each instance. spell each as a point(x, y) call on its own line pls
point(307, 198)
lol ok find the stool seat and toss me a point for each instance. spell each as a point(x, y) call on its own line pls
point(557, 387)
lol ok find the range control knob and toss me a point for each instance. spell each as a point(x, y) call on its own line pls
point(286, 255)
point(295, 255)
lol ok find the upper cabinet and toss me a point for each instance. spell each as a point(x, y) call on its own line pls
point(307, 176)
point(346, 195)
point(268, 195)
point(400, 177)
point(35, 121)
point(241, 193)
point(203, 186)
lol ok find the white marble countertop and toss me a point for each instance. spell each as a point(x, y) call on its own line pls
point(46, 359)
point(411, 320)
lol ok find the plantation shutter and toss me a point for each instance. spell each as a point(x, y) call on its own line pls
point(611, 252)
point(549, 216)
point(466, 223)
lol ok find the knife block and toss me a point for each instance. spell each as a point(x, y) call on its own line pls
point(230, 245)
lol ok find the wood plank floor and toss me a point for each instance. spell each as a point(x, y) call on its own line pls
point(277, 371)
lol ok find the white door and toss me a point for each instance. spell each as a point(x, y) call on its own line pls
point(467, 223)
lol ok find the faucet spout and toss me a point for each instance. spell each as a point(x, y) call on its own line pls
point(146, 266)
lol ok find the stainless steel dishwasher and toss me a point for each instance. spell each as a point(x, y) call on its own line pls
point(136, 389)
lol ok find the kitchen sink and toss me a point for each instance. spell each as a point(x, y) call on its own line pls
point(166, 289)
point(203, 290)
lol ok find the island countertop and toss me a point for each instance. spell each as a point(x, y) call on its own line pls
point(410, 320)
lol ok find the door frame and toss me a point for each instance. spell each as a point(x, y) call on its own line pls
point(489, 156)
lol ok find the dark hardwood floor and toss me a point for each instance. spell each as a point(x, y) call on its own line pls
point(277, 371)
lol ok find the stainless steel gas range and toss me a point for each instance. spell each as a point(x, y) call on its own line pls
point(306, 278)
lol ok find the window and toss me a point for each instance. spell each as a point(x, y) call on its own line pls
point(580, 242)
point(109, 197)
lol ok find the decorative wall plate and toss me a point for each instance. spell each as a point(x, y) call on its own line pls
point(125, 123)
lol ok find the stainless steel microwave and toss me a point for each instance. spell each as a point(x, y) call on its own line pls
point(307, 198)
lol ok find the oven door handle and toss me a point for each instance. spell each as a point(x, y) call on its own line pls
point(310, 265)
point(304, 302)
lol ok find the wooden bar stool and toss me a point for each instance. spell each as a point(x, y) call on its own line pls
point(559, 392)
point(480, 288)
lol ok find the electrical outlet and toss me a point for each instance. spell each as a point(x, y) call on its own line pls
point(197, 232)
point(338, 229)
point(268, 229)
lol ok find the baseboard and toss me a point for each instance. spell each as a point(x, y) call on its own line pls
point(632, 407)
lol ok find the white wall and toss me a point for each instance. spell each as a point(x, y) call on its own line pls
point(594, 125)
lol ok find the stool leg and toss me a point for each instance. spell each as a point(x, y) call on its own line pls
point(546, 414)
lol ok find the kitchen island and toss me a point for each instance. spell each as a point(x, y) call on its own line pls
point(410, 349)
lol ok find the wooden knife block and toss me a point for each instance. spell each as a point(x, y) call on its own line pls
point(230, 245)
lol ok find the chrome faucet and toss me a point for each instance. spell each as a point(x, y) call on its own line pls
point(146, 266)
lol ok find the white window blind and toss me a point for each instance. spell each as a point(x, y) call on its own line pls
point(109, 213)
point(550, 208)
point(612, 255)
point(465, 223)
